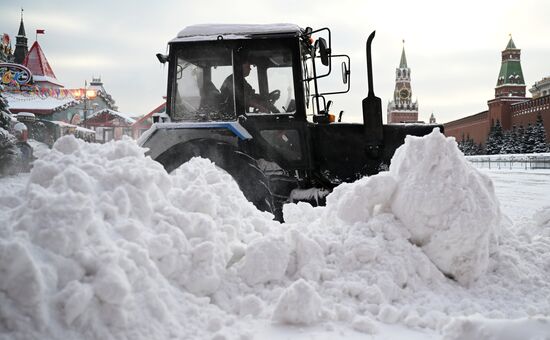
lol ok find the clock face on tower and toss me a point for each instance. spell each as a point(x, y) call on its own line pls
point(404, 93)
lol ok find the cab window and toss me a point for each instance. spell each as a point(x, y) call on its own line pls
point(209, 85)
point(200, 72)
point(268, 80)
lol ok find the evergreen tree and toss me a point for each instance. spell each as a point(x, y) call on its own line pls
point(539, 136)
point(508, 142)
point(494, 139)
point(9, 152)
point(528, 140)
point(470, 147)
point(489, 143)
point(520, 138)
point(4, 116)
point(515, 140)
point(480, 150)
point(461, 144)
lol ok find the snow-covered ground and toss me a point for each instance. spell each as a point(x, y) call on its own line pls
point(98, 242)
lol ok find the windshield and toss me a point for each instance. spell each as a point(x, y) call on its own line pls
point(200, 72)
point(206, 89)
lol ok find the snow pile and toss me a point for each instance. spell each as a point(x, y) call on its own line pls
point(105, 245)
point(392, 241)
point(102, 243)
point(449, 208)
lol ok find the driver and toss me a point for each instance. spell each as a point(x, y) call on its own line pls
point(251, 99)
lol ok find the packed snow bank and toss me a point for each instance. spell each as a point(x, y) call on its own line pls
point(102, 243)
point(389, 238)
point(105, 244)
point(449, 207)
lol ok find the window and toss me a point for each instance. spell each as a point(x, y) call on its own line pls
point(269, 80)
point(200, 73)
point(205, 88)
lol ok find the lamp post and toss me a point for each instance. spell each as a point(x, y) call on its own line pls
point(86, 94)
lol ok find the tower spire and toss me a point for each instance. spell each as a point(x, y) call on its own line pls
point(21, 26)
point(21, 48)
point(511, 45)
point(403, 62)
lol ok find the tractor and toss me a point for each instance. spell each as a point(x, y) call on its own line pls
point(248, 98)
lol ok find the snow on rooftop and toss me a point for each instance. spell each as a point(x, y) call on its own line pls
point(124, 116)
point(26, 114)
point(83, 129)
point(33, 101)
point(232, 31)
point(142, 254)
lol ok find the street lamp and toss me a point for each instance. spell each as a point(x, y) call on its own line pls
point(86, 94)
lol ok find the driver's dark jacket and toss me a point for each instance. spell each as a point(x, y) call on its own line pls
point(227, 91)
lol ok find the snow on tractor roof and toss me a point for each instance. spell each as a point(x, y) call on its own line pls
point(233, 31)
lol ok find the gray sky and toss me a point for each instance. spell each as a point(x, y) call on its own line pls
point(453, 47)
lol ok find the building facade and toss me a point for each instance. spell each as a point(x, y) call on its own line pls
point(31, 88)
point(402, 109)
point(510, 106)
point(541, 88)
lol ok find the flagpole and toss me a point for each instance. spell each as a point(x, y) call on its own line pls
point(38, 31)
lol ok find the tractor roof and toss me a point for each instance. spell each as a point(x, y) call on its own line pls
point(207, 32)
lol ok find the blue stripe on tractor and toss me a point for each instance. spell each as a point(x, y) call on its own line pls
point(234, 127)
point(237, 130)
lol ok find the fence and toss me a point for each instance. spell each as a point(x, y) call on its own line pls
point(510, 162)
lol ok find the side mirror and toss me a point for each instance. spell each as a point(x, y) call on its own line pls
point(163, 58)
point(324, 51)
point(345, 72)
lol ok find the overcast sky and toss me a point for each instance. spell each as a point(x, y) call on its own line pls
point(453, 47)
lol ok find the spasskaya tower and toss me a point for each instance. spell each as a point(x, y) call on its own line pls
point(402, 109)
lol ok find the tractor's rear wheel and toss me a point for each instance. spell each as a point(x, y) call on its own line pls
point(243, 168)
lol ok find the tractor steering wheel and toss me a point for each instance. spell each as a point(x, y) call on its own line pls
point(272, 97)
point(267, 102)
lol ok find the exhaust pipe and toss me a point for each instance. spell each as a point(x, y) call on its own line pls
point(372, 112)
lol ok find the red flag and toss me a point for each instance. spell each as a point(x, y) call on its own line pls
point(40, 31)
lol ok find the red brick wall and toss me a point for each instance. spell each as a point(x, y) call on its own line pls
point(476, 126)
point(399, 117)
point(509, 111)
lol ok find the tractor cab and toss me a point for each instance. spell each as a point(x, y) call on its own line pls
point(223, 75)
point(262, 76)
point(220, 72)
